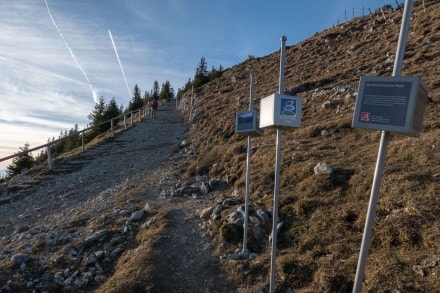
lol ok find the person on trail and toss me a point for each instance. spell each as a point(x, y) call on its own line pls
point(154, 104)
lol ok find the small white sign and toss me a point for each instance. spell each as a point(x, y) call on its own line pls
point(280, 110)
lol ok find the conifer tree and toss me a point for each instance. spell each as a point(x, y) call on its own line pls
point(136, 102)
point(111, 110)
point(21, 162)
point(155, 93)
point(201, 76)
point(147, 97)
point(167, 92)
point(97, 114)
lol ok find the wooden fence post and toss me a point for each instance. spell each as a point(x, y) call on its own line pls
point(111, 126)
point(49, 157)
point(82, 142)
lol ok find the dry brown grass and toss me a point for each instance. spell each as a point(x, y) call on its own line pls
point(324, 215)
point(133, 270)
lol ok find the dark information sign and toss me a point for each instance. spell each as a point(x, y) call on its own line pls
point(387, 103)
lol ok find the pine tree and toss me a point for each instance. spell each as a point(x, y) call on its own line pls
point(97, 114)
point(167, 92)
point(112, 110)
point(155, 93)
point(201, 76)
point(22, 162)
point(74, 139)
point(215, 73)
point(136, 102)
point(147, 97)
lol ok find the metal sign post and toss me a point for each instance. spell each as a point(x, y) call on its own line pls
point(245, 252)
point(277, 176)
point(366, 239)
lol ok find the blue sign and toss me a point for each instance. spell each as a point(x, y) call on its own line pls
point(288, 107)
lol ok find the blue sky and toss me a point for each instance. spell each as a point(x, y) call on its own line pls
point(50, 82)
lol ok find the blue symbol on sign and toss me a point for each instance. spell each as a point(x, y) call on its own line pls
point(288, 107)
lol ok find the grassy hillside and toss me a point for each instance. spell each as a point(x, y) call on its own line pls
point(324, 215)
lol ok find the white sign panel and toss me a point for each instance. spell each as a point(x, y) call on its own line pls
point(280, 110)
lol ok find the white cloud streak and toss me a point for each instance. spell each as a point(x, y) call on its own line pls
point(94, 94)
point(119, 61)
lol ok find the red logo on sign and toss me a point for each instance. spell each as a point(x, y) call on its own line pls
point(365, 116)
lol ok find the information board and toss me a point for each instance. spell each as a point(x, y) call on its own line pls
point(390, 103)
point(280, 110)
point(247, 123)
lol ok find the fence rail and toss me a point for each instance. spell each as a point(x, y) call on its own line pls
point(142, 112)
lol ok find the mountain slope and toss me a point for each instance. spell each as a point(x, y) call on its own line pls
point(324, 215)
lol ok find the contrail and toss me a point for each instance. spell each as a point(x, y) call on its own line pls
point(120, 64)
point(94, 94)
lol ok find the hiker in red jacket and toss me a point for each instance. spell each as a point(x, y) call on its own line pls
point(154, 104)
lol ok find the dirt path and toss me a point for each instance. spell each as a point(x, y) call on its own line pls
point(183, 256)
point(93, 192)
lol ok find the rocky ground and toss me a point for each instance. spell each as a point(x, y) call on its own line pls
point(69, 229)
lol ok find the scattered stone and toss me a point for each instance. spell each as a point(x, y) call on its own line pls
point(234, 256)
point(99, 254)
point(252, 255)
point(254, 219)
point(22, 229)
point(323, 169)
point(235, 193)
point(217, 212)
point(330, 104)
point(124, 212)
point(18, 259)
point(259, 235)
point(96, 236)
point(59, 278)
point(206, 212)
point(91, 259)
point(150, 222)
point(263, 216)
point(235, 218)
point(115, 252)
point(204, 189)
point(279, 225)
point(217, 184)
point(137, 215)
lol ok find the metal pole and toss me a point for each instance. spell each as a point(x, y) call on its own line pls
point(366, 238)
point(401, 45)
point(125, 122)
point(245, 251)
point(277, 177)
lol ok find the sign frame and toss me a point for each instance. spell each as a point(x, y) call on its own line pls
point(391, 103)
point(250, 126)
point(280, 110)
